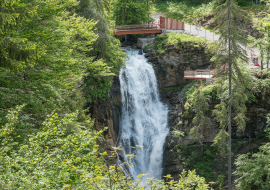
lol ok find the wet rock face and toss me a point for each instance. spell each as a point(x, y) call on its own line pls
point(107, 114)
point(170, 66)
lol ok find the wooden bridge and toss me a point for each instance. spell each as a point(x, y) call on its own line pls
point(165, 23)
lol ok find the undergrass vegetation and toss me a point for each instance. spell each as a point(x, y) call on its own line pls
point(166, 39)
point(191, 157)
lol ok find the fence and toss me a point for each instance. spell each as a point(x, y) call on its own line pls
point(171, 24)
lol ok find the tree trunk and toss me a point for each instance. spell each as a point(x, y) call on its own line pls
point(261, 66)
point(268, 58)
point(230, 105)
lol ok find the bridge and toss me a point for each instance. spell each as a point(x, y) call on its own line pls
point(165, 23)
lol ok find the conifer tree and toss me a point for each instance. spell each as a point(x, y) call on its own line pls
point(201, 120)
point(16, 52)
point(232, 44)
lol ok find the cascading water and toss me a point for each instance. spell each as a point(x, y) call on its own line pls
point(144, 118)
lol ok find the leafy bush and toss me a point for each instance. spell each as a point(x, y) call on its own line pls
point(65, 155)
point(193, 159)
point(253, 170)
point(210, 90)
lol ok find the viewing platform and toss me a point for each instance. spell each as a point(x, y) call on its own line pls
point(199, 74)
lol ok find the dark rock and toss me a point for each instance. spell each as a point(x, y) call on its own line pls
point(107, 114)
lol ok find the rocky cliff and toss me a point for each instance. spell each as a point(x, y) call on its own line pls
point(107, 114)
point(169, 68)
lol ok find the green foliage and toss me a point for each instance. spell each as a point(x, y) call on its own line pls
point(176, 38)
point(52, 83)
point(231, 36)
point(60, 155)
point(64, 155)
point(221, 142)
point(210, 90)
point(66, 42)
point(106, 51)
point(178, 134)
point(176, 89)
point(117, 104)
point(131, 12)
point(252, 169)
point(190, 13)
point(220, 181)
point(162, 5)
point(201, 120)
point(189, 92)
point(243, 3)
point(179, 40)
point(16, 51)
point(193, 159)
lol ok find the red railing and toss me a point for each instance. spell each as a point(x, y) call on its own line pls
point(198, 74)
point(137, 27)
point(254, 59)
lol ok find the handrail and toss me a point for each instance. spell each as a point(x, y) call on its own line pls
point(199, 74)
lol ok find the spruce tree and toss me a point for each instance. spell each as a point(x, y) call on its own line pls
point(232, 44)
point(16, 52)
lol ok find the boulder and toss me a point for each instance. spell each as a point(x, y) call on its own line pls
point(142, 42)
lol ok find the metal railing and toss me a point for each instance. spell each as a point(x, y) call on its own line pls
point(198, 74)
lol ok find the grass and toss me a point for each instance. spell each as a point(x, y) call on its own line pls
point(172, 38)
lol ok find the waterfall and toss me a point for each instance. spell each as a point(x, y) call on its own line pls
point(144, 118)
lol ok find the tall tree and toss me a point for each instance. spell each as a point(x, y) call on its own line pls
point(106, 47)
point(16, 52)
point(231, 47)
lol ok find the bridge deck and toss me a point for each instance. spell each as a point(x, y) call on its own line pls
point(164, 23)
point(137, 29)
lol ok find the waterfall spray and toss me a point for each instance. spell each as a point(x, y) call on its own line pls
point(143, 119)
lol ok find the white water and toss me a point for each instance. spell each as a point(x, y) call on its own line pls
point(143, 118)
